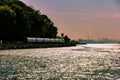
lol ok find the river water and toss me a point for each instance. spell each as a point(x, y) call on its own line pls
point(82, 62)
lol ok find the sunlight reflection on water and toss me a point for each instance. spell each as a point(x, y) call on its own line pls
point(63, 62)
point(103, 45)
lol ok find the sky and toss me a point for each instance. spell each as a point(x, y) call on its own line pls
point(82, 19)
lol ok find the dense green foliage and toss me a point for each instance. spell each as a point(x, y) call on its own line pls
point(66, 39)
point(17, 21)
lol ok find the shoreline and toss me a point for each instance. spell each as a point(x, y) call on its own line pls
point(6, 46)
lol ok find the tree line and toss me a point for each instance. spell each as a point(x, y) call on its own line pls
point(18, 21)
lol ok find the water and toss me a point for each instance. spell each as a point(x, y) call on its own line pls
point(83, 62)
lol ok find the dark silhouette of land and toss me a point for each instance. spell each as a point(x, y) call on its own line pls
point(19, 21)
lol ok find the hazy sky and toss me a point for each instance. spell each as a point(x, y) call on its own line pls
point(82, 18)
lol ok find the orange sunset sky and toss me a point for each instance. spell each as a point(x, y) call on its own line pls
point(82, 18)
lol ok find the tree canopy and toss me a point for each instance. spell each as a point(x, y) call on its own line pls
point(17, 20)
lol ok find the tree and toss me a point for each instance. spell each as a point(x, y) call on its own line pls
point(7, 22)
point(36, 24)
point(66, 39)
point(22, 23)
point(17, 20)
point(62, 35)
point(49, 30)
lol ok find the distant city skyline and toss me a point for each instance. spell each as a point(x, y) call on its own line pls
point(82, 18)
point(102, 40)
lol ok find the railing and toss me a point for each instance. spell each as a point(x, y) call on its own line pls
point(30, 39)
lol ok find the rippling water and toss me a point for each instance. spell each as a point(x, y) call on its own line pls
point(83, 62)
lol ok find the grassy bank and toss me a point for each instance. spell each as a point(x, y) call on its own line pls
point(32, 45)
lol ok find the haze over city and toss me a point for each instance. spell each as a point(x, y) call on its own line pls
point(82, 18)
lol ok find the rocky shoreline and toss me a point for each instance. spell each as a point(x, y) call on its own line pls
point(33, 45)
